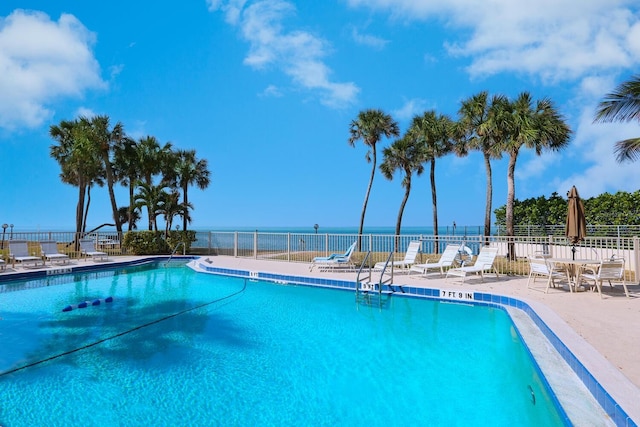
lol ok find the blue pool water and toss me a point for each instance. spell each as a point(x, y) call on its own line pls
point(255, 353)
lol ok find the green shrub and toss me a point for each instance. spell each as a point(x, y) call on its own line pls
point(145, 243)
point(154, 242)
point(187, 237)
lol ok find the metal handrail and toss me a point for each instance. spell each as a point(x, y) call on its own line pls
point(184, 248)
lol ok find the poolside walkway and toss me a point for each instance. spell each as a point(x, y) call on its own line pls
point(602, 333)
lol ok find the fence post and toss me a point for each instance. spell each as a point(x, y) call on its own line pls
point(326, 244)
point(288, 246)
point(636, 256)
point(235, 244)
point(255, 244)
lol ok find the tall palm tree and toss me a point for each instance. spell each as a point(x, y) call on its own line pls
point(406, 155)
point(189, 171)
point(78, 162)
point(480, 125)
point(127, 164)
point(623, 105)
point(538, 127)
point(104, 139)
point(434, 132)
point(370, 126)
point(152, 159)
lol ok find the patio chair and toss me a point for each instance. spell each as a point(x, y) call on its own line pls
point(446, 260)
point(88, 249)
point(335, 260)
point(609, 270)
point(409, 258)
point(50, 252)
point(483, 264)
point(540, 267)
point(19, 252)
point(3, 265)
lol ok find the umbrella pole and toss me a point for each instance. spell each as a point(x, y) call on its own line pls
point(573, 252)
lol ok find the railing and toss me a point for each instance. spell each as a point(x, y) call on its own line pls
point(559, 230)
point(300, 247)
point(108, 242)
point(303, 247)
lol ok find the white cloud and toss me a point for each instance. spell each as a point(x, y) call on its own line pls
point(554, 40)
point(42, 61)
point(296, 53)
point(410, 108)
point(85, 112)
point(271, 91)
point(368, 39)
point(594, 145)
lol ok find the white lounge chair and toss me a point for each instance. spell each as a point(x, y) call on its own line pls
point(409, 258)
point(3, 265)
point(446, 260)
point(483, 264)
point(50, 252)
point(609, 270)
point(88, 248)
point(19, 252)
point(335, 260)
point(541, 267)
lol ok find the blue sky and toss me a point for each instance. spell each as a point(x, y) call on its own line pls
point(265, 91)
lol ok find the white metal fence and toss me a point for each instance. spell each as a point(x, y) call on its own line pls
point(301, 247)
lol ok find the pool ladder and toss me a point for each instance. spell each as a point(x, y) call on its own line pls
point(369, 291)
point(184, 248)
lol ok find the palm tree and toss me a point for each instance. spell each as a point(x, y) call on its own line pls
point(189, 171)
point(152, 159)
point(434, 132)
point(171, 207)
point(129, 215)
point(78, 161)
point(370, 126)
point(623, 105)
point(152, 197)
point(480, 124)
point(127, 164)
point(538, 127)
point(406, 155)
point(104, 139)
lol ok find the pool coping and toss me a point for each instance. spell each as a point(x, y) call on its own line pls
point(607, 402)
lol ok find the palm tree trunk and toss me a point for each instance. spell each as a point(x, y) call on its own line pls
point(131, 202)
point(488, 200)
point(434, 203)
point(79, 213)
point(112, 195)
point(366, 199)
point(511, 191)
point(400, 212)
point(86, 211)
point(186, 203)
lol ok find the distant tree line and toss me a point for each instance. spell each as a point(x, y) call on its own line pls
point(621, 208)
point(91, 153)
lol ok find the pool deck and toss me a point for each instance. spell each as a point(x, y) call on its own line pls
point(603, 333)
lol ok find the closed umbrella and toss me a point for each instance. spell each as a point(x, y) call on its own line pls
point(576, 229)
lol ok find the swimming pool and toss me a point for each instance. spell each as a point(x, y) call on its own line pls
point(207, 350)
